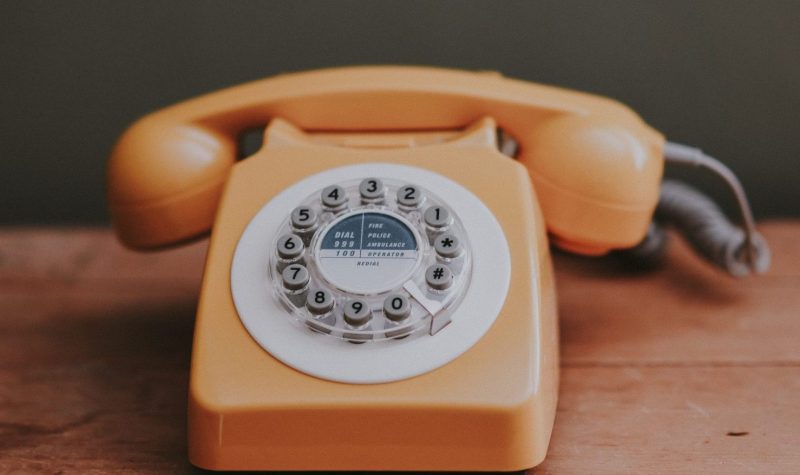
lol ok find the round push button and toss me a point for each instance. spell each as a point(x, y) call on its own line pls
point(304, 217)
point(397, 307)
point(290, 246)
point(439, 277)
point(371, 189)
point(334, 197)
point(319, 301)
point(437, 217)
point(447, 245)
point(295, 277)
point(357, 313)
point(409, 196)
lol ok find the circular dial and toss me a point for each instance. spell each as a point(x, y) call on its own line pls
point(393, 336)
point(371, 259)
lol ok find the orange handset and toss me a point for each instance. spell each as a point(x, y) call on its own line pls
point(378, 293)
point(595, 164)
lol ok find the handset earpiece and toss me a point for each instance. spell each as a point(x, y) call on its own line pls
point(165, 179)
point(597, 179)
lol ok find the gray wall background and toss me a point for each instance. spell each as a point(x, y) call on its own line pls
point(722, 75)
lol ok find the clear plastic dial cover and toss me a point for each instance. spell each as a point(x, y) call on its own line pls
point(391, 249)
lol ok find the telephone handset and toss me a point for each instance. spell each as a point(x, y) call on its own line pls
point(596, 164)
point(378, 293)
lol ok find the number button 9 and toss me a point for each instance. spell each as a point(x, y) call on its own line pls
point(357, 313)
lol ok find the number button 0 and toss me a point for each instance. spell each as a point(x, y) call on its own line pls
point(437, 217)
point(357, 313)
point(304, 217)
point(409, 196)
point(319, 301)
point(295, 277)
point(290, 246)
point(371, 189)
point(396, 307)
point(334, 197)
point(439, 277)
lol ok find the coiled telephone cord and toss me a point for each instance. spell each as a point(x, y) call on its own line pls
point(739, 250)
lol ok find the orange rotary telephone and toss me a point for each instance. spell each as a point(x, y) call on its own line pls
point(378, 293)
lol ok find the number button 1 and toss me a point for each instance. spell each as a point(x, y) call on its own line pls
point(437, 217)
point(334, 197)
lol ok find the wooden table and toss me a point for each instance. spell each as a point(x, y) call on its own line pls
point(680, 370)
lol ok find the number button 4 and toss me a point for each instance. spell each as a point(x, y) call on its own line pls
point(334, 197)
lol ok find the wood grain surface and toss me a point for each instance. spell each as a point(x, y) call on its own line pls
point(677, 370)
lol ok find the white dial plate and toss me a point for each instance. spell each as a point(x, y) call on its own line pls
point(337, 360)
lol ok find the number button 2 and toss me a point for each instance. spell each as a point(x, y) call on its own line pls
point(409, 196)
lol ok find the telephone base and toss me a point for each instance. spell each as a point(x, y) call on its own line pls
point(489, 406)
point(386, 436)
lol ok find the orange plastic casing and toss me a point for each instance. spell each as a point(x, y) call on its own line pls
point(491, 408)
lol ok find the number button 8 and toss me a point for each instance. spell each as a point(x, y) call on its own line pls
point(319, 301)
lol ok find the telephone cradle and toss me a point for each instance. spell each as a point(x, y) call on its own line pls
point(378, 292)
